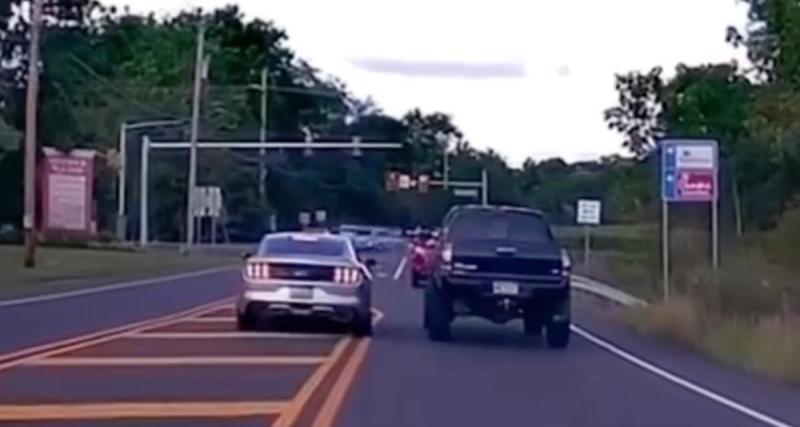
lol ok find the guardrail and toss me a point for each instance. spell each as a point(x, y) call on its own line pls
point(602, 290)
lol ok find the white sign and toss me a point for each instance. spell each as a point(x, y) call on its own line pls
point(695, 157)
point(589, 212)
point(208, 202)
point(466, 192)
point(321, 216)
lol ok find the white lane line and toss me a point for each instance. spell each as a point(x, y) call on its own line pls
point(680, 381)
point(400, 268)
point(111, 287)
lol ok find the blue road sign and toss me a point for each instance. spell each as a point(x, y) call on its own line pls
point(689, 170)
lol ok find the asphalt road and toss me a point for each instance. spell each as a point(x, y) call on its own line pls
point(192, 368)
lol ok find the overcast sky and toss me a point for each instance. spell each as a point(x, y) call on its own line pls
point(527, 78)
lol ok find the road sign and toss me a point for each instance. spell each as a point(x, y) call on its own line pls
point(466, 192)
point(68, 191)
point(304, 218)
point(689, 170)
point(589, 212)
point(208, 202)
point(320, 216)
point(405, 182)
point(689, 173)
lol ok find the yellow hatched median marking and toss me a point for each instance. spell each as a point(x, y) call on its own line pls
point(180, 361)
point(231, 335)
point(86, 411)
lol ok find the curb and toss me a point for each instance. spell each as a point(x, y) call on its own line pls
point(602, 290)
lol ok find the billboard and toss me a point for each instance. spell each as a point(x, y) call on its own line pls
point(68, 191)
point(689, 170)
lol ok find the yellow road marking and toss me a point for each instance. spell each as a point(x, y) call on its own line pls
point(230, 335)
point(82, 341)
point(86, 411)
point(333, 404)
point(180, 361)
point(295, 407)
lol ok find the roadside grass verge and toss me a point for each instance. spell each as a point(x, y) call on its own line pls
point(769, 345)
point(61, 269)
point(747, 314)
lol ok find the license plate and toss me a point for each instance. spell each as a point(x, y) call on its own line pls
point(505, 288)
point(301, 293)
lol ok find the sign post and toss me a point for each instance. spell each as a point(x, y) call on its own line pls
point(689, 173)
point(588, 214)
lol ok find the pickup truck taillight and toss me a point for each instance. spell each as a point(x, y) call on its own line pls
point(256, 270)
point(447, 253)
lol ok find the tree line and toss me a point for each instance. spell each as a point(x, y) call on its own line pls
point(103, 66)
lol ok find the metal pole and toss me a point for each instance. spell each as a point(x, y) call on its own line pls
point(143, 194)
point(122, 221)
point(587, 247)
point(31, 109)
point(485, 187)
point(198, 85)
point(665, 247)
point(715, 234)
point(262, 137)
point(446, 172)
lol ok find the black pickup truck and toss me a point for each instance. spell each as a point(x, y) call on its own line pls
point(500, 263)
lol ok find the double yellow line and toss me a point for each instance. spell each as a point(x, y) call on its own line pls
point(288, 412)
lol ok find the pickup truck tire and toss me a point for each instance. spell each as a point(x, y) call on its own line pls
point(557, 334)
point(437, 314)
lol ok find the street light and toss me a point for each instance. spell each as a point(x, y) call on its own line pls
point(124, 128)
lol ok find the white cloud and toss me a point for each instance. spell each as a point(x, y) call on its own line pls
point(569, 50)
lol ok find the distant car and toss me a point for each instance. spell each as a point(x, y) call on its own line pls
point(306, 275)
point(500, 263)
point(424, 249)
point(363, 237)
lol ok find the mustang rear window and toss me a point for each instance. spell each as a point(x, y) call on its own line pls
point(289, 246)
point(513, 226)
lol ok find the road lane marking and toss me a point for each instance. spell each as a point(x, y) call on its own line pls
point(180, 361)
point(400, 268)
point(231, 335)
point(299, 402)
point(99, 411)
point(209, 319)
point(333, 404)
point(680, 381)
point(112, 287)
point(12, 359)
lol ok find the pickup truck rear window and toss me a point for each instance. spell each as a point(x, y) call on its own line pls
point(514, 226)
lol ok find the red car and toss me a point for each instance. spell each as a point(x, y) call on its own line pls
point(423, 248)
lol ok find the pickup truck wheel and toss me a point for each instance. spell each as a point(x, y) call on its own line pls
point(437, 314)
point(558, 335)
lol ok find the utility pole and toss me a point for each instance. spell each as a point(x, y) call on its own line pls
point(198, 86)
point(31, 109)
point(262, 137)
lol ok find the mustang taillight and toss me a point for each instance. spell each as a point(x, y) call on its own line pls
point(257, 270)
point(347, 275)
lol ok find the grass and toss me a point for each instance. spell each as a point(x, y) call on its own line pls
point(747, 314)
point(60, 269)
point(768, 345)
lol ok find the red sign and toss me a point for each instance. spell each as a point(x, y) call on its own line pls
point(68, 191)
point(700, 185)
